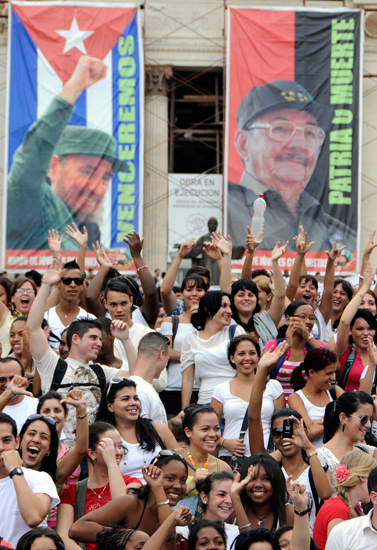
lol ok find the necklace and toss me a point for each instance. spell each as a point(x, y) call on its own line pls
point(66, 315)
point(192, 461)
point(103, 490)
point(259, 523)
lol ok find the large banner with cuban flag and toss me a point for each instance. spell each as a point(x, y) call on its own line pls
point(74, 142)
point(293, 130)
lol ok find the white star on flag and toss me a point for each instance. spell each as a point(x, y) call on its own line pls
point(74, 37)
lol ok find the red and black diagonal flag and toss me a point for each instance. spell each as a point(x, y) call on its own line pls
point(294, 61)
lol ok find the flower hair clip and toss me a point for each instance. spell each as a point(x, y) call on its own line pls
point(342, 473)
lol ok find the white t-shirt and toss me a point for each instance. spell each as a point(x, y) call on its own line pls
point(353, 534)
point(57, 326)
point(151, 404)
point(234, 410)
point(320, 322)
point(304, 479)
point(174, 370)
point(210, 360)
point(12, 525)
point(138, 317)
point(76, 373)
point(134, 458)
point(21, 411)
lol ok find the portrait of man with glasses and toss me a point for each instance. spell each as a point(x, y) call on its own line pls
point(280, 134)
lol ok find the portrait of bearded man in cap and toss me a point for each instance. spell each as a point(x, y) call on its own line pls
point(279, 137)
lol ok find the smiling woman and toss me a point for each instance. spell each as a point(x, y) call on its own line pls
point(204, 352)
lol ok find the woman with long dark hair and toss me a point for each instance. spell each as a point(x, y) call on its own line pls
point(345, 425)
point(259, 497)
point(204, 352)
point(142, 439)
point(312, 392)
point(360, 325)
point(166, 484)
point(232, 398)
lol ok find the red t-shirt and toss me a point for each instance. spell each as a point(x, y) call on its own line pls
point(334, 508)
point(353, 379)
point(92, 502)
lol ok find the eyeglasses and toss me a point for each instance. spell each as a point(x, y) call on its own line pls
point(4, 379)
point(284, 130)
point(303, 317)
point(113, 382)
point(23, 290)
point(48, 419)
point(363, 419)
point(277, 432)
point(68, 280)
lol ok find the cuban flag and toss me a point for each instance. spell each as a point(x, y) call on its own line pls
point(46, 42)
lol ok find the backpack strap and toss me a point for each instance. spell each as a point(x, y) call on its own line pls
point(232, 331)
point(61, 369)
point(100, 375)
point(175, 319)
point(59, 372)
point(314, 491)
point(347, 367)
point(81, 489)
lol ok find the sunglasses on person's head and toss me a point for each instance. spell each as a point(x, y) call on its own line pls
point(68, 280)
point(113, 382)
point(363, 419)
point(171, 452)
point(48, 419)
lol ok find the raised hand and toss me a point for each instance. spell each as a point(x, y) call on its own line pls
point(370, 245)
point(119, 329)
point(272, 356)
point(53, 273)
point(18, 386)
point(251, 243)
point(224, 245)
point(88, 71)
point(182, 516)
point(301, 240)
point(74, 232)
point(278, 251)
point(76, 398)
point(298, 494)
point(335, 252)
point(54, 242)
point(134, 242)
point(237, 485)
point(152, 475)
point(211, 250)
point(107, 450)
point(186, 247)
point(101, 256)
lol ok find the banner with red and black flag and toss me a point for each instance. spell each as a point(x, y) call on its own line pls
point(293, 129)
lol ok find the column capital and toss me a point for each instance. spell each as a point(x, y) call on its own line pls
point(157, 77)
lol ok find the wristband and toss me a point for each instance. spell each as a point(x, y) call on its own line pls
point(303, 513)
point(82, 415)
point(245, 526)
point(361, 277)
point(162, 503)
point(140, 268)
point(310, 337)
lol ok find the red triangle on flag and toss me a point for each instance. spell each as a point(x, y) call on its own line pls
point(42, 22)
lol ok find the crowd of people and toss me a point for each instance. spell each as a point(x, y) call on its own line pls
point(134, 416)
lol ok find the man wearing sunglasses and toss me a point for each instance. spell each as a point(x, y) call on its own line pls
point(70, 287)
point(80, 369)
point(281, 130)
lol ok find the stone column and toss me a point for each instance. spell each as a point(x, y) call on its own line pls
point(156, 167)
